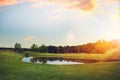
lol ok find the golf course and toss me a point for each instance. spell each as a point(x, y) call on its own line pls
point(59, 39)
point(12, 68)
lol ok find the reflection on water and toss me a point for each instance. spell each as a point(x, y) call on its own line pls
point(27, 59)
point(56, 60)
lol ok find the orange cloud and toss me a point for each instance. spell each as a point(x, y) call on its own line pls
point(84, 5)
point(71, 4)
point(9, 2)
point(28, 38)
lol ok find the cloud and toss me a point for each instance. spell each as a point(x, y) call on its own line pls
point(28, 38)
point(9, 2)
point(84, 5)
point(69, 4)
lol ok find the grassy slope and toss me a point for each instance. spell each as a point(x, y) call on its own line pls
point(12, 69)
point(69, 55)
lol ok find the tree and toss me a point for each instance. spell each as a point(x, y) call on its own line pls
point(60, 49)
point(18, 47)
point(43, 48)
point(34, 47)
point(66, 49)
point(102, 46)
point(52, 49)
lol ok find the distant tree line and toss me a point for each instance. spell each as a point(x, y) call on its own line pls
point(99, 47)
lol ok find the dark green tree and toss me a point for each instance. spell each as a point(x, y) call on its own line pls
point(18, 47)
point(43, 49)
point(52, 49)
point(34, 47)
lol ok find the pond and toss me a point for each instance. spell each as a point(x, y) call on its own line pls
point(56, 60)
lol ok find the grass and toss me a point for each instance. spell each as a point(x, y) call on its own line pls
point(68, 55)
point(11, 68)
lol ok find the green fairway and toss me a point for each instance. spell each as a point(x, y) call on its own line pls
point(11, 68)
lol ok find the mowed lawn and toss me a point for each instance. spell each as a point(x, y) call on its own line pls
point(11, 68)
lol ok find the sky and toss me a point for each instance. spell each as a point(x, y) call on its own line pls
point(58, 22)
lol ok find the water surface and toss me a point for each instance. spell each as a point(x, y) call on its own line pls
point(56, 60)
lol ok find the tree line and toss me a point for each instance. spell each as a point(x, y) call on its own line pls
point(99, 47)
